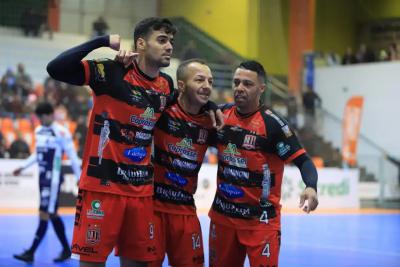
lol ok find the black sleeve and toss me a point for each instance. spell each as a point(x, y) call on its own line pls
point(308, 171)
point(67, 66)
point(283, 139)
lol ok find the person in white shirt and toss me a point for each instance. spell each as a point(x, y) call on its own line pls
point(51, 140)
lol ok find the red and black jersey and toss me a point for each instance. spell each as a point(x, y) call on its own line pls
point(126, 106)
point(180, 143)
point(247, 146)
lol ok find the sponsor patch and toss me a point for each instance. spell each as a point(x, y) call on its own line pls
point(136, 154)
point(282, 148)
point(176, 178)
point(95, 212)
point(230, 191)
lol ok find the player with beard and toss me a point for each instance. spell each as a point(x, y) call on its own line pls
point(114, 206)
point(253, 147)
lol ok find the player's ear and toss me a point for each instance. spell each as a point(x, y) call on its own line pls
point(181, 86)
point(140, 44)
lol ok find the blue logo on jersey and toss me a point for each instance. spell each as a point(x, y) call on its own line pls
point(230, 191)
point(176, 178)
point(135, 154)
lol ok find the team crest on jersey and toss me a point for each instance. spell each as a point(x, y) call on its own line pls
point(100, 74)
point(203, 134)
point(184, 148)
point(95, 212)
point(249, 141)
point(145, 119)
point(230, 155)
point(93, 234)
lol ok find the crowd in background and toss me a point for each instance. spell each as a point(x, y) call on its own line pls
point(18, 98)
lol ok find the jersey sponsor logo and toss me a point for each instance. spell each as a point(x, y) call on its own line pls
point(84, 250)
point(143, 136)
point(136, 96)
point(176, 178)
point(173, 125)
point(99, 73)
point(93, 234)
point(184, 165)
point(230, 191)
point(203, 134)
point(286, 130)
point(282, 148)
point(230, 155)
point(184, 148)
point(236, 128)
point(170, 194)
point(236, 174)
point(128, 175)
point(135, 154)
point(249, 141)
point(95, 212)
point(230, 208)
point(103, 140)
point(145, 119)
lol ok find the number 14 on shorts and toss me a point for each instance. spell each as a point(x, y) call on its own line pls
point(196, 242)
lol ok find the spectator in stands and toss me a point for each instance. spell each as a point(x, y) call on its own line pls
point(310, 100)
point(189, 51)
point(349, 57)
point(364, 54)
point(332, 59)
point(393, 53)
point(395, 162)
point(7, 83)
point(23, 82)
point(3, 149)
point(30, 22)
point(19, 149)
point(100, 27)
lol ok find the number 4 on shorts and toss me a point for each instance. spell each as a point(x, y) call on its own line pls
point(265, 251)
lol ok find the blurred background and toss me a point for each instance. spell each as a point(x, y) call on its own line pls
point(333, 72)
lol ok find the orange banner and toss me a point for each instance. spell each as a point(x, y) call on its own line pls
point(351, 129)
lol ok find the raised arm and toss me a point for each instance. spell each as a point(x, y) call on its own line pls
point(67, 66)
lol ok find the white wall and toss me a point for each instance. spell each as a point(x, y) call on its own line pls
point(379, 84)
point(77, 16)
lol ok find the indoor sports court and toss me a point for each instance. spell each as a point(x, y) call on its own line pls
point(331, 238)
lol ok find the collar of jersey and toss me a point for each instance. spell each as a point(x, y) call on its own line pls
point(243, 116)
point(141, 73)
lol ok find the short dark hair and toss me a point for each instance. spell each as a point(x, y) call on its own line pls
point(256, 67)
point(181, 71)
point(147, 25)
point(44, 108)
